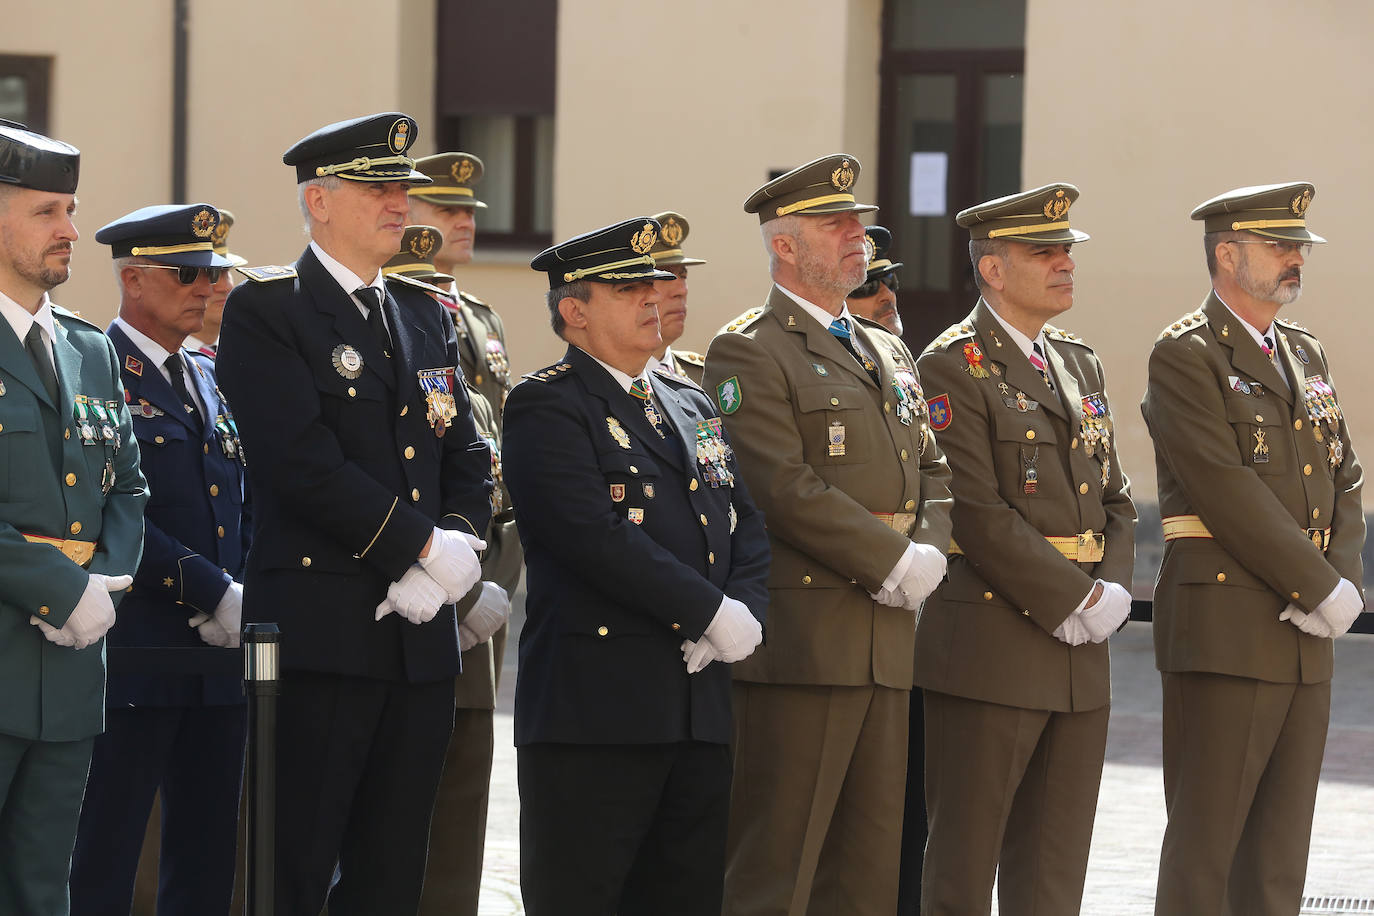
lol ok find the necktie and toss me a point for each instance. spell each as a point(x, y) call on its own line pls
point(372, 298)
point(639, 388)
point(33, 342)
point(174, 369)
point(840, 329)
point(1037, 359)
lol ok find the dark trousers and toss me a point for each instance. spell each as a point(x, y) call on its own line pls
point(914, 828)
point(457, 839)
point(194, 756)
point(40, 800)
point(633, 830)
point(358, 763)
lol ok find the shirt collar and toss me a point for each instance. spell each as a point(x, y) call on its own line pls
point(622, 379)
point(20, 320)
point(666, 362)
point(155, 352)
point(1024, 343)
point(1259, 337)
point(348, 281)
point(823, 317)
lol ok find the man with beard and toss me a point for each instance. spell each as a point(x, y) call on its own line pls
point(831, 430)
point(672, 299)
point(71, 523)
point(1259, 490)
point(876, 299)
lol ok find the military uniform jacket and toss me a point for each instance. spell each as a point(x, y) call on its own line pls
point(789, 390)
point(347, 474)
point(685, 364)
point(987, 632)
point(1267, 468)
point(629, 550)
point(195, 531)
point(52, 693)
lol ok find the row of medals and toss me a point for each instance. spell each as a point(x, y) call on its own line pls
point(911, 404)
point(713, 454)
point(96, 424)
point(1320, 402)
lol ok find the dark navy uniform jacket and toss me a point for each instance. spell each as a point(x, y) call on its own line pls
point(195, 532)
point(348, 476)
point(628, 551)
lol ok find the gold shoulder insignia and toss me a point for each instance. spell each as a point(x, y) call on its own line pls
point(270, 272)
point(549, 373)
point(1292, 325)
point(742, 322)
point(690, 356)
point(952, 333)
point(1186, 323)
point(68, 315)
point(1061, 334)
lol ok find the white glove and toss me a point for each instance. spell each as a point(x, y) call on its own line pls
point(53, 634)
point(1072, 630)
point(698, 654)
point(94, 614)
point(1311, 624)
point(452, 562)
point(1341, 607)
point(486, 617)
point(1103, 618)
point(415, 596)
point(733, 633)
point(922, 576)
point(228, 616)
point(211, 631)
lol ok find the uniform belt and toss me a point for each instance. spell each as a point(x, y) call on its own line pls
point(1191, 526)
point(901, 522)
point(79, 552)
point(1088, 547)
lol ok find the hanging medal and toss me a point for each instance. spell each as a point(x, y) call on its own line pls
point(973, 355)
point(440, 407)
point(1030, 478)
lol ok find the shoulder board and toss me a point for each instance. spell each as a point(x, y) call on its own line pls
point(470, 299)
point(68, 315)
point(410, 281)
point(690, 357)
point(952, 333)
point(549, 373)
point(1292, 325)
point(1059, 334)
point(270, 272)
point(742, 322)
point(1186, 323)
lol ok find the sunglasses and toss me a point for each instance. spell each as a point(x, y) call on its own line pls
point(187, 274)
point(871, 287)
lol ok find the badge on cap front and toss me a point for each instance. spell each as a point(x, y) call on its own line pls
point(399, 137)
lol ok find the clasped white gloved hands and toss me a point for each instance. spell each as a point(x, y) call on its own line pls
point(93, 615)
point(1333, 617)
point(1100, 619)
point(732, 636)
point(486, 617)
point(224, 627)
point(443, 576)
point(925, 567)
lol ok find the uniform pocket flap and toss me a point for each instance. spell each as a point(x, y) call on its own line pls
point(1032, 427)
point(827, 397)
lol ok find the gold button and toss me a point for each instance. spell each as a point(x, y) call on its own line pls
point(677, 626)
point(2, 427)
point(711, 557)
point(1026, 612)
point(404, 408)
point(887, 407)
point(806, 580)
point(410, 451)
point(1259, 418)
point(1073, 443)
point(1221, 577)
point(693, 485)
point(1082, 488)
point(834, 402)
point(71, 480)
point(1297, 424)
point(305, 561)
point(66, 433)
point(415, 495)
point(987, 596)
point(44, 611)
point(477, 379)
point(1316, 513)
point(206, 446)
point(602, 631)
point(703, 519)
point(1307, 470)
point(905, 455)
point(159, 440)
point(633, 469)
point(1030, 434)
point(76, 528)
point(220, 531)
point(214, 489)
point(1295, 596)
point(352, 392)
point(910, 504)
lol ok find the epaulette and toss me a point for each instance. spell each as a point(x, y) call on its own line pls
point(270, 272)
point(1068, 336)
point(1291, 325)
point(470, 299)
point(952, 333)
point(549, 373)
point(1186, 323)
point(68, 315)
point(691, 357)
point(742, 322)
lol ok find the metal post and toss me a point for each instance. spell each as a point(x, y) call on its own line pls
point(261, 682)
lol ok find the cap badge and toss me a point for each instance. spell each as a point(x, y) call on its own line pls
point(202, 224)
point(870, 248)
point(399, 137)
point(1300, 201)
point(672, 232)
point(422, 244)
point(1057, 206)
point(220, 234)
point(643, 240)
point(843, 177)
point(461, 170)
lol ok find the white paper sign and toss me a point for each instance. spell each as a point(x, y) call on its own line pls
point(928, 172)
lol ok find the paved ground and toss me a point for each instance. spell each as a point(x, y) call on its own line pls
point(1130, 821)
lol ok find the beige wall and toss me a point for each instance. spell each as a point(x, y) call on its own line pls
point(1153, 108)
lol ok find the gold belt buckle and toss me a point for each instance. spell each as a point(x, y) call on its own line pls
point(1091, 547)
point(904, 522)
point(1320, 536)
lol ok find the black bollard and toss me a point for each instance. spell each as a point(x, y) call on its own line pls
point(262, 684)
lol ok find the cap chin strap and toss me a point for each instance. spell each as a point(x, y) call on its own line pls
point(363, 164)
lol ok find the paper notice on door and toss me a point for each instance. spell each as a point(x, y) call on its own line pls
point(928, 173)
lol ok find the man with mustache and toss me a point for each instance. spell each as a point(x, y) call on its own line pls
point(672, 299)
point(71, 527)
point(876, 299)
point(832, 434)
point(1259, 490)
point(1011, 649)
